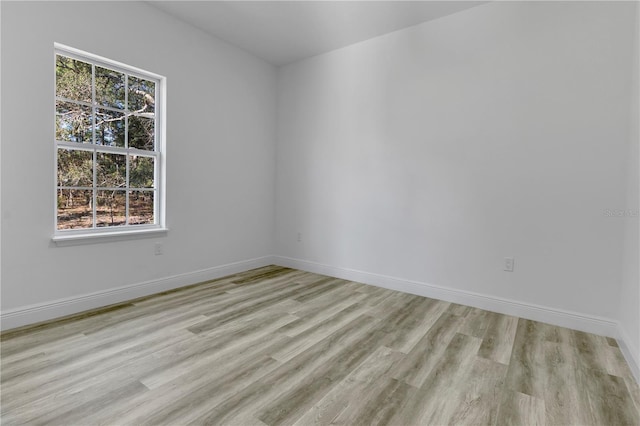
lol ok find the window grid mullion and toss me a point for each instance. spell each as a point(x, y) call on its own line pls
point(106, 188)
point(126, 198)
point(107, 149)
point(73, 101)
point(90, 104)
point(94, 194)
point(126, 145)
point(126, 108)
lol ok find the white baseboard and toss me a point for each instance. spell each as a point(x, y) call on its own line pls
point(573, 320)
point(632, 356)
point(62, 307)
point(559, 317)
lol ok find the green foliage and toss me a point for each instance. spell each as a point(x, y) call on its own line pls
point(111, 170)
point(110, 86)
point(141, 172)
point(73, 122)
point(75, 168)
point(141, 132)
point(73, 79)
point(99, 106)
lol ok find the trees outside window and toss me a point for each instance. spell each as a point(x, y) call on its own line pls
point(107, 144)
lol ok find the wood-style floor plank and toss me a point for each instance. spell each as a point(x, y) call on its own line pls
point(434, 402)
point(563, 404)
point(498, 338)
point(478, 399)
point(527, 365)
point(519, 409)
point(418, 363)
point(278, 346)
point(363, 381)
point(380, 407)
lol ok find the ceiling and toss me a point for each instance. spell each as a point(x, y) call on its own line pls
point(282, 32)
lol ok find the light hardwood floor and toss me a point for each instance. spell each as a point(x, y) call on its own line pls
point(279, 346)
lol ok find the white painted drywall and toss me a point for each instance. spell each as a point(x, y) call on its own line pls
point(432, 153)
point(428, 154)
point(220, 149)
point(629, 315)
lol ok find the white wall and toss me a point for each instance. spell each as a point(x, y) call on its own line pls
point(432, 153)
point(428, 154)
point(629, 313)
point(220, 150)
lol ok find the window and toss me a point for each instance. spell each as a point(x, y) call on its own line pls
point(109, 147)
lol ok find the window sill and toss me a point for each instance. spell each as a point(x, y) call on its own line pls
point(104, 237)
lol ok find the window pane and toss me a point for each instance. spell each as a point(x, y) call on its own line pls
point(141, 171)
point(141, 132)
point(109, 88)
point(142, 96)
point(101, 112)
point(110, 210)
point(75, 168)
point(109, 127)
point(73, 122)
point(73, 79)
point(74, 208)
point(141, 207)
point(111, 170)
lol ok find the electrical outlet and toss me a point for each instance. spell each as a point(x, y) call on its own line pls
point(299, 236)
point(508, 264)
point(158, 249)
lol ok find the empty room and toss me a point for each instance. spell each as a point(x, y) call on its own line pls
point(320, 212)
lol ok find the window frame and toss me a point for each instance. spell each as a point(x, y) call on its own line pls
point(95, 233)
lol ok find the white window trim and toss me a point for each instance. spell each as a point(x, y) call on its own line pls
point(95, 235)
